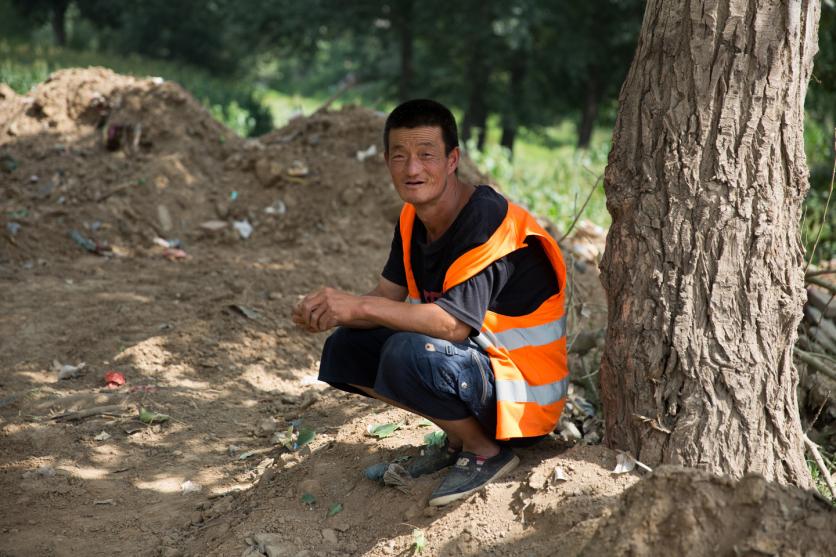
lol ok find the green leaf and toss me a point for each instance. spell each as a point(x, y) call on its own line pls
point(420, 541)
point(382, 431)
point(335, 508)
point(245, 455)
point(148, 417)
point(435, 438)
point(424, 422)
point(308, 499)
point(306, 435)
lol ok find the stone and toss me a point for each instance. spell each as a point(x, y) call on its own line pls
point(267, 171)
point(330, 536)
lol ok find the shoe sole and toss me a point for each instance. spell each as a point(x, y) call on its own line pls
point(444, 499)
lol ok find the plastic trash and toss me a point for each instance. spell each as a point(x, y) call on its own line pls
point(244, 228)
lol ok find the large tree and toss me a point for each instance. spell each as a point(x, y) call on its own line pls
point(703, 264)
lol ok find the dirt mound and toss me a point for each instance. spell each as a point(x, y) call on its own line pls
point(686, 512)
point(123, 161)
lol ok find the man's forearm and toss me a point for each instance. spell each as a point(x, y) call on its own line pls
point(428, 319)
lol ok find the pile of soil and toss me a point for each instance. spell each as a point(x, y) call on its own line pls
point(123, 206)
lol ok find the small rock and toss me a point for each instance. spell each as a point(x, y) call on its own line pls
point(310, 486)
point(196, 518)
point(267, 426)
point(330, 536)
point(411, 513)
point(341, 526)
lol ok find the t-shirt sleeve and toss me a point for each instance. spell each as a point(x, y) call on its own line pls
point(469, 301)
point(394, 269)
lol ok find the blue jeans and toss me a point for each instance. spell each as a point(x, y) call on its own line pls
point(434, 377)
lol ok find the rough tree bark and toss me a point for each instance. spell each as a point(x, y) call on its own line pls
point(703, 264)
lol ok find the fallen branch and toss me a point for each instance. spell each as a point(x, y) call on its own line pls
point(814, 363)
point(814, 450)
point(823, 283)
point(111, 410)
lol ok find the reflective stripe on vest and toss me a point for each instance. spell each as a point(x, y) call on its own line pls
point(520, 391)
point(511, 339)
point(411, 300)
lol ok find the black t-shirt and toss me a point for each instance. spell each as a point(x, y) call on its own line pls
point(514, 285)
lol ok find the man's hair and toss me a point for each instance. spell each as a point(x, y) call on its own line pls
point(423, 112)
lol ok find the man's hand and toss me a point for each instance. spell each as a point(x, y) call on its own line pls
point(325, 309)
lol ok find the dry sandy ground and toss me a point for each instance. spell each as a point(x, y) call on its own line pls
point(207, 341)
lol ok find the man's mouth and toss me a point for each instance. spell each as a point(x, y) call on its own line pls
point(414, 182)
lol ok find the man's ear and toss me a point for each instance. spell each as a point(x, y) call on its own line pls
point(453, 160)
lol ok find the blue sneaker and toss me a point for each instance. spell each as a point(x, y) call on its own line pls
point(471, 473)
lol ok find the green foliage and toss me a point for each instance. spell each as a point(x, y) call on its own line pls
point(551, 176)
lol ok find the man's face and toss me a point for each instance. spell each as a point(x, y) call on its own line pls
point(420, 170)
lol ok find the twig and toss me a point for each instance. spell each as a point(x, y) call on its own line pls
point(826, 208)
point(824, 284)
point(814, 450)
point(112, 410)
point(818, 412)
point(819, 273)
point(347, 83)
point(583, 207)
point(815, 363)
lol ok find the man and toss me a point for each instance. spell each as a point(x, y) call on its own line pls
point(466, 325)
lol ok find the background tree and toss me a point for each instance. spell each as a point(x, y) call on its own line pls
point(703, 264)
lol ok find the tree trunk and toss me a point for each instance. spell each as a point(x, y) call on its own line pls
point(406, 39)
point(589, 113)
point(510, 118)
point(703, 263)
point(59, 22)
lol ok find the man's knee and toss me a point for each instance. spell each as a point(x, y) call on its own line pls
point(337, 343)
point(400, 352)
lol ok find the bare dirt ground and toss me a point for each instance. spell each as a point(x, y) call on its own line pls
point(200, 330)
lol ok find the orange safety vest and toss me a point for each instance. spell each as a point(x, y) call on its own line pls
point(528, 352)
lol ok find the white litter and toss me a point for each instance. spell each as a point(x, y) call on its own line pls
point(625, 462)
point(244, 228)
point(559, 475)
point(277, 208)
point(68, 371)
point(189, 487)
point(103, 436)
point(367, 153)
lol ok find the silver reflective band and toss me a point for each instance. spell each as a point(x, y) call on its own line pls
point(411, 300)
point(520, 391)
point(539, 335)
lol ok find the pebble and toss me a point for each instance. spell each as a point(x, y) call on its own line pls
point(330, 536)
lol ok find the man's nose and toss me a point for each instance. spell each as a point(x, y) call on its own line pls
point(413, 166)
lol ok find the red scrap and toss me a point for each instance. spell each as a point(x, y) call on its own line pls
point(114, 379)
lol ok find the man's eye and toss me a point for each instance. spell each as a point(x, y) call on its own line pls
point(427, 155)
point(398, 158)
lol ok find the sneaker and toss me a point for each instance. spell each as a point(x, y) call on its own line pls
point(432, 460)
point(472, 473)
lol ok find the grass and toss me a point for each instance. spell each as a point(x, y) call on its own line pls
point(818, 480)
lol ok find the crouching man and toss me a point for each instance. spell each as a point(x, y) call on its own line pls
point(466, 325)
